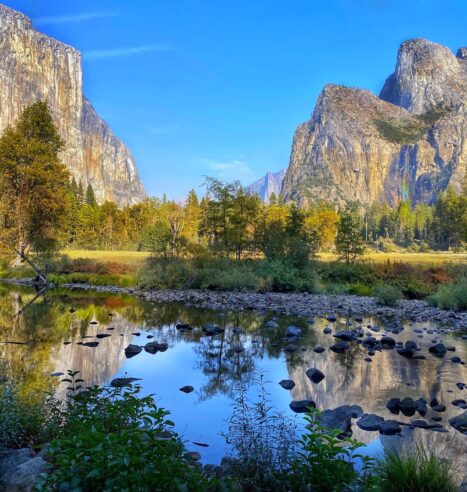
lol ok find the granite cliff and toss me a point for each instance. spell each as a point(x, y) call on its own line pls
point(408, 143)
point(34, 66)
point(268, 184)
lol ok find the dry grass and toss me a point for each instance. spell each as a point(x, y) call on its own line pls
point(412, 258)
point(136, 258)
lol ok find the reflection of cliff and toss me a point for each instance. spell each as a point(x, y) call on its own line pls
point(351, 380)
point(98, 364)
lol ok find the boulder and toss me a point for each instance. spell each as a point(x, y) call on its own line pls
point(341, 417)
point(370, 422)
point(132, 350)
point(389, 428)
point(347, 336)
point(460, 422)
point(439, 350)
point(388, 342)
point(287, 384)
point(19, 470)
point(393, 405)
point(315, 375)
point(301, 406)
point(407, 406)
point(122, 382)
point(340, 347)
point(318, 350)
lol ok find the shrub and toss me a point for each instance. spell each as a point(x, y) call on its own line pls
point(451, 296)
point(325, 462)
point(387, 295)
point(25, 419)
point(112, 438)
point(283, 277)
point(263, 442)
point(415, 471)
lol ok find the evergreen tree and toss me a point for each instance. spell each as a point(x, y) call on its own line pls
point(33, 183)
point(349, 242)
point(90, 197)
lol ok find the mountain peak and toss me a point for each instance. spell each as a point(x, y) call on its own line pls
point(408, 143)
point(268, 184)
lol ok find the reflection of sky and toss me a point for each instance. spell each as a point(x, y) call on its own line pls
point(192, 359)
point(201, 421)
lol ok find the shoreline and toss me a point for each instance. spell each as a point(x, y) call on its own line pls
point(289, 303)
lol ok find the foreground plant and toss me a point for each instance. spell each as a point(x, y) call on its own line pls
point(114, 440)
point(415, 472)
point(263, 442)
point(325, 462)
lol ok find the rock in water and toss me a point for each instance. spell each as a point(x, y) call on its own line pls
point(122, 382)
point(187, 389)
point(35, 67)
point(301, 406)
point(132, 350)
point(287, 384)
point(315, 375)
point(340, 417)
point(439, 349)
point(370, 422)
point(354, 148)
point(460, 422)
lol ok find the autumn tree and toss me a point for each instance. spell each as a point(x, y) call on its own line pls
point(33, 183)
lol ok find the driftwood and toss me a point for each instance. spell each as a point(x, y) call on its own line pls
point(41, 278)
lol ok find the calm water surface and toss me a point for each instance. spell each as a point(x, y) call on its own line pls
point(215, 367)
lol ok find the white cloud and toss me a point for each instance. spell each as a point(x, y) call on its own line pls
point(122, 52)
point(73, 18)
point(231, 170)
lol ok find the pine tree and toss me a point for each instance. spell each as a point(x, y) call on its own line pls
point(90, 197)
point(34, 184)
point(349, 242)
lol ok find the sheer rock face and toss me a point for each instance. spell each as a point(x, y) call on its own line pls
point(268, 184)
point(409, 143)
point(35, 67)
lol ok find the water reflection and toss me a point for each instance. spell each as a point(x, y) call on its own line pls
point(49, 333)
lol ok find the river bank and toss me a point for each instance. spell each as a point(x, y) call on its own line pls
point(298, 304)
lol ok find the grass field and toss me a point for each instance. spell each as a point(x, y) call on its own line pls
point(128, 257)
point(413, 258)
point(137, 257)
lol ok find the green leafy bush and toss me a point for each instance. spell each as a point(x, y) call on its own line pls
point(112, 439)
point(451, 296)
point(415, 471)
point(26, 418)
point(325, 462)
point(387, 295)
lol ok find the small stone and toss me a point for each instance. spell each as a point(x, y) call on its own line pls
point(187, 389)
point(318, 350)
point(287, 384)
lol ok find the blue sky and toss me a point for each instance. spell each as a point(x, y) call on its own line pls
point(217, 87)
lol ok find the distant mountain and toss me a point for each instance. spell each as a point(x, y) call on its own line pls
point(410, 143)
point(270, 183)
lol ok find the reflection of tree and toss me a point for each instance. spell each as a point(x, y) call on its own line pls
point(223, 364)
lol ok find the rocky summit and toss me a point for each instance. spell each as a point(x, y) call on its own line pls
point(410, 143)
point(35, 67)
